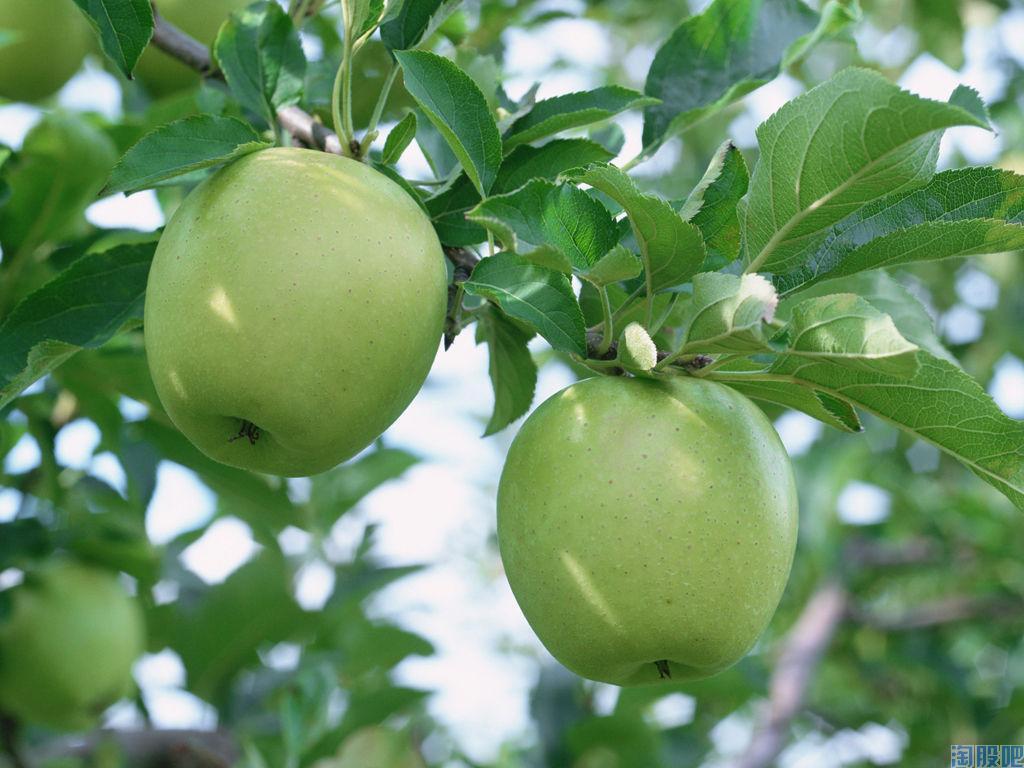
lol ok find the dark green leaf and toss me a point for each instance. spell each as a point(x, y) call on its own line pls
point(616, 265)
point(852, 139)
point(97, 296)
point(572, 110)
point(718, 56)
point(220, 634)
point(124, 28)
point(181, 147)
point(540, 297)
point(825, 408)
point(940, 404)
point(413, 21)
point(57, 173)
point(258, 50)
point(399, 139)
point(524, 164)
point(672, 249)
point(454, 104)
point(560, 216)
point(961, 212)
point(712, 206)
point(512, 370)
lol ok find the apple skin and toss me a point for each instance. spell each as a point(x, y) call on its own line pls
point(52, 40)
point(68, 645)
point(298, 291)
point(159, 72)
point(644, 521)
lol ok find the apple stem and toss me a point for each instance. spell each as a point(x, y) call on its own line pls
point(663, 669)
point(247, 430)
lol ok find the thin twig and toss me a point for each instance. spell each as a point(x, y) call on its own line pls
point(179, 748)
point(191, 52)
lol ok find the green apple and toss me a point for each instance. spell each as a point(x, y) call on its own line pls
point(68, 645)
point(161, 73)
point(42, 44)
point(294, 307)
point(647, 527)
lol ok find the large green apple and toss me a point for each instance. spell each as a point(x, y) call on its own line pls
point(42, 44)
point(68, 645)
point(161, 73)
point(294, 307)
point(647, 527)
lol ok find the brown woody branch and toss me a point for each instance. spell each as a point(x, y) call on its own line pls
point(801, 651)
point(945, 611)
point(194, 54)
point(170, 748)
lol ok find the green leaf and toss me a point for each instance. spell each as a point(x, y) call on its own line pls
point(828, 152)
point(672, 250)
point(963, 212)
point(53, 178)
point(846, 330)
point(336, 492)
point(524, 164)
point(728, 313)
point(540, 297)
point(454, 104)
point(399, 139)
point(636, 351)
point(258, 50)
point(96, 297)
point(573, 110)
point(199, 627)
point(940, 404)
point(561, 216)
point(365, 16)
point(181, 147)
point(124, 28)
point(616, 265)
point(609, 136)
point(396, 177)
point(413, 21)
point(712, 206)
point(816, 404)
point(885, 294)
point(712, 59)
point(248, 496)
point(511, 368)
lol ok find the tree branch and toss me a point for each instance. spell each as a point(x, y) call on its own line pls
point(172, 748)
point(300, 124)
point(945, 611)
point(801, 652)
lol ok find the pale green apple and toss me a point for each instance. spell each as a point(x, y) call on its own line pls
point(161, 73)
point(42, 44)
point(68, 645)
point(647, 527)
point(293, 310)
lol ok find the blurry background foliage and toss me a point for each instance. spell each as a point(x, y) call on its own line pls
point(292, 616)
